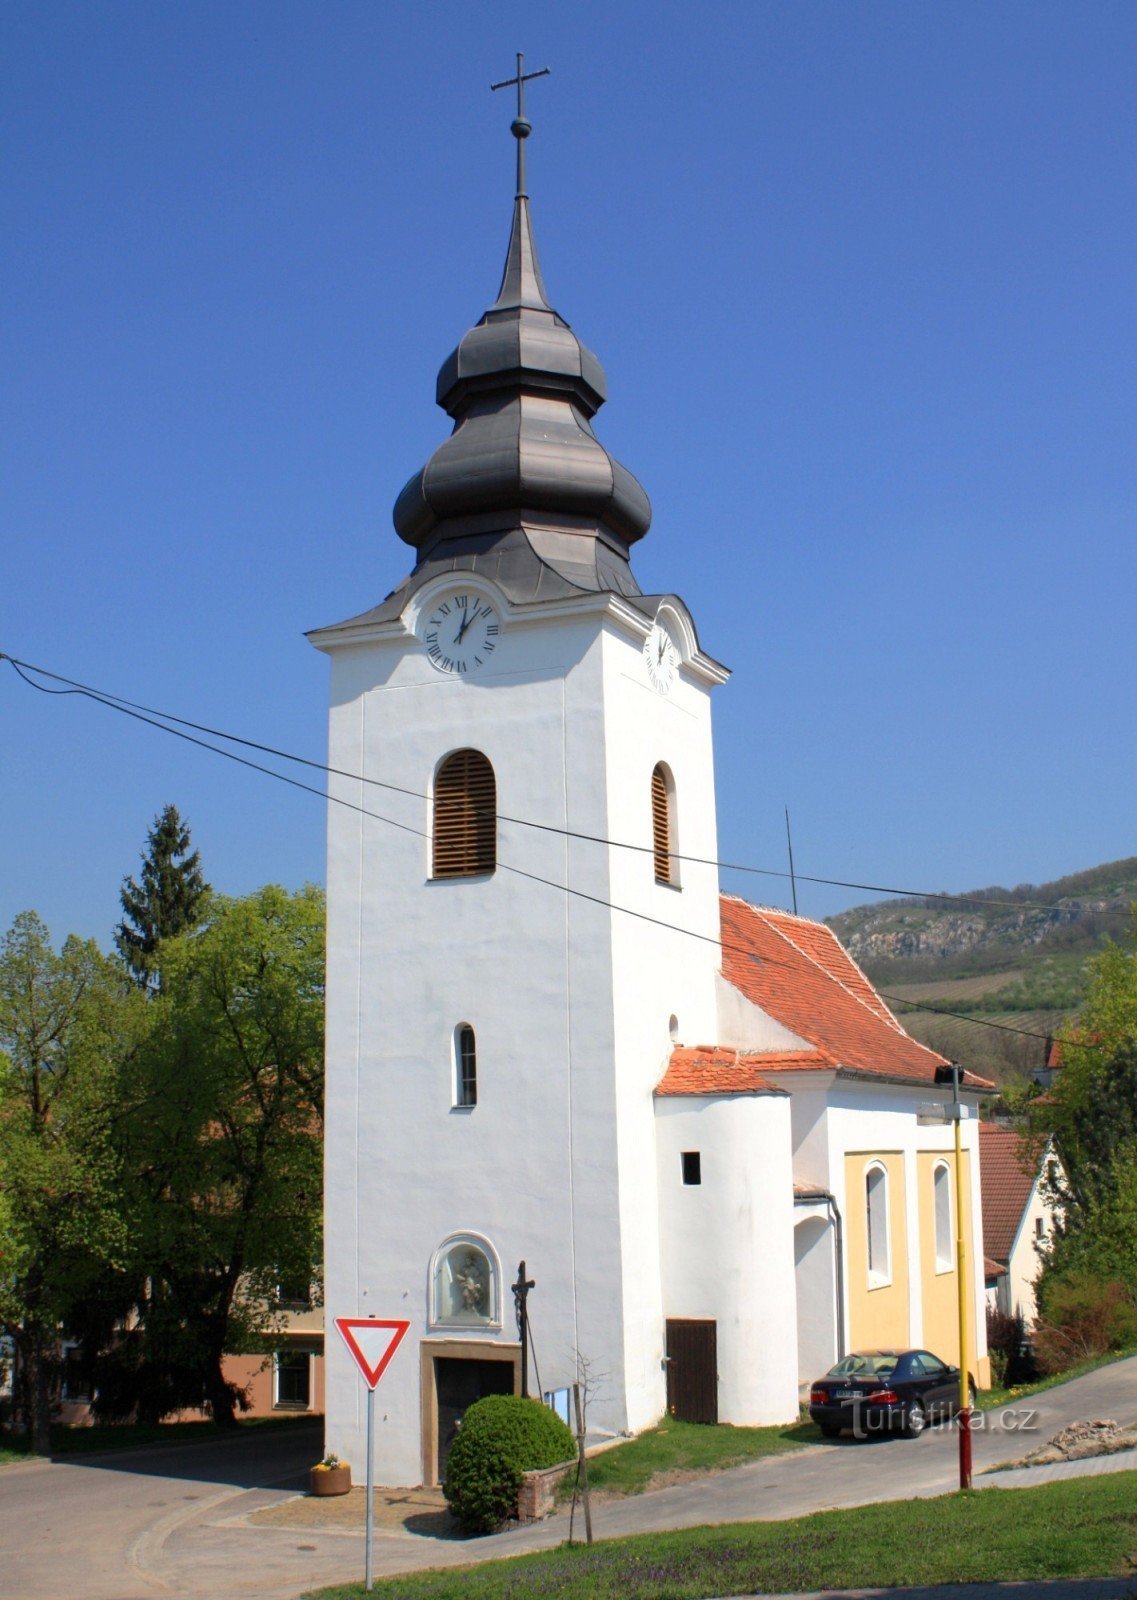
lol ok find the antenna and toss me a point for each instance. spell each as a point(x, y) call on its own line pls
point(790, 848)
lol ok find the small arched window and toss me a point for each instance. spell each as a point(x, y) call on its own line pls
point(464, 837)
point(663, 825)
point(465, 1066)
point(941, 1186)
point(876, 1219)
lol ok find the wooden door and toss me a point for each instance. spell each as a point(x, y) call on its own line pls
point(457, 1385)
point(692, 1373)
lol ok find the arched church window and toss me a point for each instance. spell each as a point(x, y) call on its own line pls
point(663, 825)
point(941, 1190)
point(876, 1218)
point(464, 837)
point(464, 1284)
point(465, 1066)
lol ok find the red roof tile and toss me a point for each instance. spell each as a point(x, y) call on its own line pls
point(1006, 1181)
point(798, 973)
point(707, 1069)
point(993, 1269)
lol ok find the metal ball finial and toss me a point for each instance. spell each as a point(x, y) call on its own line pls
point(520, 129)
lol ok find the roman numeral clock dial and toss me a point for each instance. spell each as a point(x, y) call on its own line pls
point(660, 658)
point(459, 632)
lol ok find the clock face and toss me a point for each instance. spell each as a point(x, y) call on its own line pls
point(460, 632)
point(661, 658)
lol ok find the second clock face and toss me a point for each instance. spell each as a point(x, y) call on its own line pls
point(460, 632)
point(661, 658)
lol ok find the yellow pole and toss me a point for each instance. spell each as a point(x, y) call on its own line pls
point(964, 1343)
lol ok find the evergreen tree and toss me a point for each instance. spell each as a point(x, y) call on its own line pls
point(167, 901)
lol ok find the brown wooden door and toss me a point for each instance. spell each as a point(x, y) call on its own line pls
point(692, 1374)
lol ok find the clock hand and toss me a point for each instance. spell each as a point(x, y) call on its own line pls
point(662, 648)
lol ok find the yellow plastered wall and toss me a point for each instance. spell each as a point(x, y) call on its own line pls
point(939, 1291)
point(878, 1314)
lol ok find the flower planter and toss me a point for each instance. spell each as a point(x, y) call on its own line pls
point(329, 1480)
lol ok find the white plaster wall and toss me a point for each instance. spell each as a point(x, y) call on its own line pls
point(1025, 1262)
point(569, 1000)
point(728, 1244)
point(744, 1026)
point(879, 1116)
point(815, 1280)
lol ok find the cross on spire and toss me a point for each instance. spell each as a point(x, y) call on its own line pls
point(520, 127)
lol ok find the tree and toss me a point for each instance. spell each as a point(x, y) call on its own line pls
point(169, 899)
point(64, 1020)
point(222, 1149)
point(1092, 1107)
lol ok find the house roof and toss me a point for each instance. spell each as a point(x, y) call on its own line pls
point(1006, 1183)
point(710, 1069)
point(993, 1269)
point(798, 972)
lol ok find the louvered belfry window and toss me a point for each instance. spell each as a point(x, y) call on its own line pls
point(465, 816)
point(661, 824)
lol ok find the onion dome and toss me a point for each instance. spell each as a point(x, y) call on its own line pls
point(522, 390)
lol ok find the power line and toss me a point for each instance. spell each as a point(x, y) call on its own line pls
point(151, 719)
point(146, 713)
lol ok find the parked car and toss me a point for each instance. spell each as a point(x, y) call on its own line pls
point(882, 1391)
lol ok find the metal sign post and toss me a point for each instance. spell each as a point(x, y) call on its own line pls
point(372, 1342)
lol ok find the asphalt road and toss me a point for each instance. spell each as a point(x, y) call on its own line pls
point(172, 1522)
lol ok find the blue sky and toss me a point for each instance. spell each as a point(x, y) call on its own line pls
point(861, 276)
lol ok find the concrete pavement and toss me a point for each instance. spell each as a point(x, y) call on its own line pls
point(174, 1521)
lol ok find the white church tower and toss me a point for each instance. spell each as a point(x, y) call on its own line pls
point(513, 941)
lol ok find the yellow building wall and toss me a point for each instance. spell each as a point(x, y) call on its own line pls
point(878, 1315)
point(939, 1290)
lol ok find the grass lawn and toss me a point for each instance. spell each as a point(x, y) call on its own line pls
point(1082, 1528)
point(87, 1441)
point(686, 1447)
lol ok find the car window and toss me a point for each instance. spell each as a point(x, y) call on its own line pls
point(916, 1368)
point(882, 1365)
point(932, 1364)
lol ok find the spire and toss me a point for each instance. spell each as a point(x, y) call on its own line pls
point(522, 390)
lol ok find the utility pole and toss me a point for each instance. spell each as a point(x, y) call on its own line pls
point(952, 1073)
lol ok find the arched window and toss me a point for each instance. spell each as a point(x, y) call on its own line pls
point(663, 825)
point(876, 1217)
point(941, 1186)
point(465, 1066)
point(464, 1289)
point(464, 837)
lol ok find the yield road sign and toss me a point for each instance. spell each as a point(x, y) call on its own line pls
point(372, 1342)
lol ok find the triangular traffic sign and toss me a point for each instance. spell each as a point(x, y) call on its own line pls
point(372, 1342)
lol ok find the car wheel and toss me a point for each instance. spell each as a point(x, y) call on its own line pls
point(915, 1420)
point(829, 1429)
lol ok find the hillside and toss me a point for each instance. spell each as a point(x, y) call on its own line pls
point(1011, 956)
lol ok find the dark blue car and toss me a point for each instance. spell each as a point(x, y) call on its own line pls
point(884, 1391)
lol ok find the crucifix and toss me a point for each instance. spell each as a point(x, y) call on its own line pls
point(520, 1295)
point(520, 127)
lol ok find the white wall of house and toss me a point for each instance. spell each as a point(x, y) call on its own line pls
point(728, 1243)
point(1018, 1288)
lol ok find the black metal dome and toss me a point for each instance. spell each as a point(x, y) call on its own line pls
point(522, 390)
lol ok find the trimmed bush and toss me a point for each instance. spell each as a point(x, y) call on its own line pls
point(501, 1437)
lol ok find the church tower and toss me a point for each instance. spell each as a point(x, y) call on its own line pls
point(523, 908)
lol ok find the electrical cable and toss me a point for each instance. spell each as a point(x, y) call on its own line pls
point(130, 707)
point(151, 719)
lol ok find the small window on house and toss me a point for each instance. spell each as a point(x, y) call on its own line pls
point(692, 1166)
point(464, 837)
point(941, 1194)
point(663, 826)
point(465, 1066)
point(1040, 1227)
point(294, 1290)
point(293, 1376)
point(876, 1208)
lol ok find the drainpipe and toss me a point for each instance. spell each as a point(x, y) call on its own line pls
point(838, 1256)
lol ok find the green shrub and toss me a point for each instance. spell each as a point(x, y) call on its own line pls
point(501, 1437)
point(1082, 1317)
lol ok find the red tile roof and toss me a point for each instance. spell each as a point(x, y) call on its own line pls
point(707, 1069)
point(993, 1269)
point(798, 973)
point(1006, 1181)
